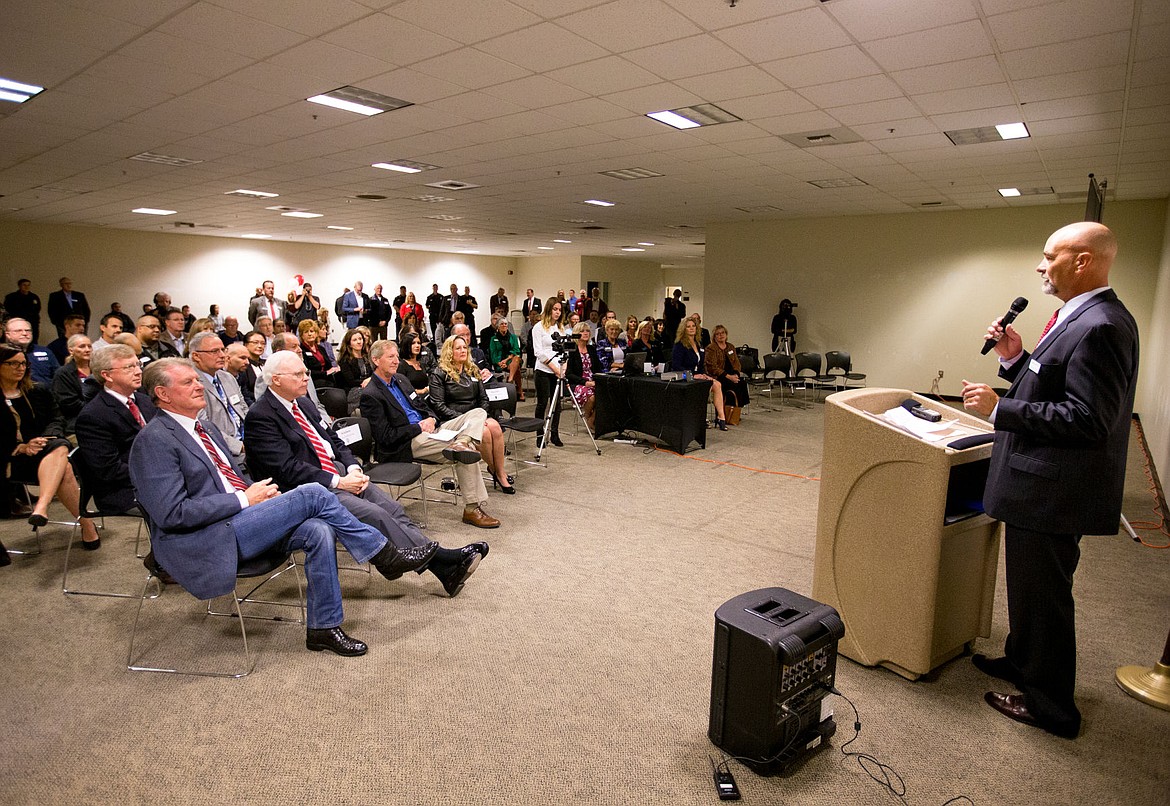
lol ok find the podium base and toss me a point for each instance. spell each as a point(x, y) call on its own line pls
point(1151, 686)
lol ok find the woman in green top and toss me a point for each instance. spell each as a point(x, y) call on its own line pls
point(504, 353)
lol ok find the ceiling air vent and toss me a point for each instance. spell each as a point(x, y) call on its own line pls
point(451, 184)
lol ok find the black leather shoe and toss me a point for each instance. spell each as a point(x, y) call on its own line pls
point(1000, 668)
point(153, 567)
point(1013, 707)
point(336, 641)
point(555, 439)
point(479, 546)
point(38, 521)
point(460, 452)
point(454, 579)
point(393, 562)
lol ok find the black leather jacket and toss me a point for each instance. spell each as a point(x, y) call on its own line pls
point(451, 398)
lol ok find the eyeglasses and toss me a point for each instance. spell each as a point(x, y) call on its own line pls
point(301, 374)
point(217, 350)
point(135, 367)
point(15, 363)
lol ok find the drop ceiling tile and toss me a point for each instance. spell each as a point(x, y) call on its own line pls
point(390, 39)
point(1063, 21)
point(1087, 54)
point(770, 105)
point(852, 91)
point(875, 111)
point(535, 92)
point(683, 58)
point(465, 22)
point(1148, 115)
point(603, 76)
point(471, 68)
point(805, 31)
point(1101, 103)
point(656, 97)
point(411, 85)
point(968, 98)
point(175, 55)
point(1152, 42)
point(826, 66)
point(309, 17)
point(869, 21)
point(627, 24)
point(950, 76)
point(799, 122)
point(977, 117)
point(964, 40)
point(475, 106)
point(543, 47)
point(332, 65)
point(891, 130)
point(1067, 85)
point(212, 25)
point(588, 111)
point(44, 64)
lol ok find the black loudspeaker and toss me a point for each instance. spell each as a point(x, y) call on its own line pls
point(775, 661)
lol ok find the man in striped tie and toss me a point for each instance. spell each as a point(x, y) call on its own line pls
point(207, 515)
point(285, 439)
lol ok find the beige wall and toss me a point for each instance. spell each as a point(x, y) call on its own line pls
point(129, 267)
point(907, 295)
point(635, 286)
point(1154, 400)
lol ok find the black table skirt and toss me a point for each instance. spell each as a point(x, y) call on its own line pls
point(673, 412)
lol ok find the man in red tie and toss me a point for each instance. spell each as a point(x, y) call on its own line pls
point(284, 438)
point(266, 304)
point(207, 516)
point(1058, 467)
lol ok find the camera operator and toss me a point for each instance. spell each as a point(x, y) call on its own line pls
point(550, 362)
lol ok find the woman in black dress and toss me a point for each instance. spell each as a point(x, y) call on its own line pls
point(355, 365)
point(32, 441)
point(417, 363)
point(317, 361)
point(582, 364)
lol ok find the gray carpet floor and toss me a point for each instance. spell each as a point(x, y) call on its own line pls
point(574, 668)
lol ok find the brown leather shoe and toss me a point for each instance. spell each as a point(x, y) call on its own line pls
point(477, 517)
point(1013, 707)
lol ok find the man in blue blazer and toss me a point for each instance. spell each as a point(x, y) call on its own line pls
point(354, 304)
point(207, 515)
point(1058, 466)
point(284, 440)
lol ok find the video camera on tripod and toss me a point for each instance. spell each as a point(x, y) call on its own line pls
point(562, 343)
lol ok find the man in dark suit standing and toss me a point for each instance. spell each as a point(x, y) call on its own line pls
point(674, 310)
point(1058, 466)
point(207, 515)
point(379, 315)
point(65, 302)
point(397, 304)
point(434, 309)
point(499, 302)
point(266, 304)
point(531, 303)
point(287, 442)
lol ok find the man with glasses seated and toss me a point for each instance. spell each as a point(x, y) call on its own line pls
point(225, 402)
point(42, 364)
point(148, 331)
point(287, 442)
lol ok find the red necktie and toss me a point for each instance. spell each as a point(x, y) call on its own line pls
point(223, 467)
point(318, 446)
point(272, 309)
point(1048, 326)
point(134, 410)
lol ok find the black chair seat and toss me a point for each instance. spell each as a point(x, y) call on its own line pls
point(259, 566)
point(525, 425)
point(395, 474)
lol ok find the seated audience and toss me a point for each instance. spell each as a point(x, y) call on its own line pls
point(254, 344)
point(582, 363)
point(486, 334)
point(631, 329)
point(225, 406)
point(644, 342)
point(229, 332)
point(504, 354)
point(611, 347)
point(108, 424)
point(477, 356)
point(288, 444)
point(208, 516)
point(355, 365)
point(402, 420)
point(687, 356)
point(110, 327)
point(149, 333)
point(456, 388)
point(416, 363)
point(74, 323)
point(33, 444)
point(722, 364)
point(321, 367)
point(70, 390)
point(219, 321)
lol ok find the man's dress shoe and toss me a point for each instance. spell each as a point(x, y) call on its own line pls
point(460, 452)
point(477, 517)
point(335, 640)
point(481, 547)
point(1000, 668)
point(454, 579)
point(393, 562)
point(1013, 707)
point(153, 567)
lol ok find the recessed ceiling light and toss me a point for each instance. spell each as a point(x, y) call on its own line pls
point(444, 217)
point(690, 117)
point(163, 159)
point(1008, 192)
point(644, 243)
point(254, 235)
point(17, 92)
point(152, 211)
point(252, 194)
point(430, 197)
point(355, 99)
point(302, 214)
point(633, 249)
point(599, 203)
point(632, 173)
point(343, 229)
point(1012, 131)
point(546, 247)
point(378, 244)
point(560, 240)
point(404, 166)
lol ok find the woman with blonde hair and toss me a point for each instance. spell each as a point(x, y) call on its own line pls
point(687, 356)
point(456, 389)
point(198, 326)
point(317, 361)
point(721, 362)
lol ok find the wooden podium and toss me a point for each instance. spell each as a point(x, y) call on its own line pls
point(904, 552)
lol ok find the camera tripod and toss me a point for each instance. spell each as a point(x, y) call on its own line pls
point(553, 407)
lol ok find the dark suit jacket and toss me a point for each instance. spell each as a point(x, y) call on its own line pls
point(247, 381)
point(389, 424)
point(574, 366)
point(1062, 430)
point(445, 316)
point(378, 311)
point(179, 487)
point(276, 446)
point(497, 302)
point(435, 302)
point(528, 307)
point(259, 307)
point(105, 432)
point(59, 307)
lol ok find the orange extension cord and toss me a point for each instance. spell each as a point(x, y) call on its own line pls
point(741, 467)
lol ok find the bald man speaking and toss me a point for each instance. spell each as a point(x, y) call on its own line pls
point(1058, 466)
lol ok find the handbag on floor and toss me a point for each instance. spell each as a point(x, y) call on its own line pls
point(733, 411)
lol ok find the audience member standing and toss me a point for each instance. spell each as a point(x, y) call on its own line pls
point(673, 312)
point(25, 304)
point(353, 305)
point(378, 319)
point(65, 302)
point(434, 309)
point(531, 303)
point(499, 302)
point(304, 306)
point(397, 304)
point(469, 306)
point(266, 304)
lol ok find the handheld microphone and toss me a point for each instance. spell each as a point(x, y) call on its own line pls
point(1009, 317)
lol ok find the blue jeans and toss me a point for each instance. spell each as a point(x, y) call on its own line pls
point(308, 518)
